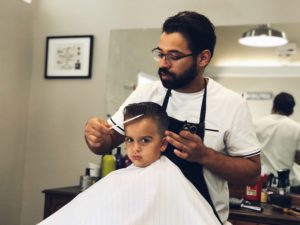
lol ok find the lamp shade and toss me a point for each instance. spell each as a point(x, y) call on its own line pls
point(263, 36)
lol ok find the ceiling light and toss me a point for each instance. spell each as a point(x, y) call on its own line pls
point(263, 36)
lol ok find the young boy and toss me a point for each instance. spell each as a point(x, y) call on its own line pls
point(151, 191)
point(144, 136)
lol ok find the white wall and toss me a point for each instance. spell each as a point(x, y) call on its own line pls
point(15, 71)
point(56, 154)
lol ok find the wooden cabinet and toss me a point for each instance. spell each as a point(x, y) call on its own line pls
point(57, 198)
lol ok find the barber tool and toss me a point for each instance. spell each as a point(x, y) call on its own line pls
point(189, 127)
point(252, 206)
point(127, 121)
point(235, 203)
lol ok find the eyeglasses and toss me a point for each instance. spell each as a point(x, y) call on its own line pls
point(170, 57)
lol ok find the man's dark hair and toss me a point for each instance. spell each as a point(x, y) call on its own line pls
point(196, 28)
point(149, 110)
point(284, 104)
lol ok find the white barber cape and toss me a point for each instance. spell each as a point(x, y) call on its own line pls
point(155, 195)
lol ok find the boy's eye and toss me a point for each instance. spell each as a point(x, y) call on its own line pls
point(128, 140)
point(145, 140)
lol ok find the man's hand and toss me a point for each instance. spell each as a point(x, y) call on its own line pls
point(97, 131)
point(187, 145)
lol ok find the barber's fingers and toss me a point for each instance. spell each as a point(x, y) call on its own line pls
point(179, 142)
point(181, 154)
point(97, 126)
point(188, 135)
point(184, 136)
point(95, 130)
point(187, 145)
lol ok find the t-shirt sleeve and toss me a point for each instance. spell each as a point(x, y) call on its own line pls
point(241, 139)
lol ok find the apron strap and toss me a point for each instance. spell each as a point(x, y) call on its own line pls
point(201, 126)
point(166, 99)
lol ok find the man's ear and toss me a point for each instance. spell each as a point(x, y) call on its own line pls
point(164, 144)
point(203, 58)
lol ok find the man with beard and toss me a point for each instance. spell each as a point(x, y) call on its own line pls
point(211, 136)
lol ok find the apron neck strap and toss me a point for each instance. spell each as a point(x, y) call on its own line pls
point(166, 100)
point(201, 126)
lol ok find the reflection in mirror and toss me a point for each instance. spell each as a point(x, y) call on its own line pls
point(229, 53)
point(129, 54)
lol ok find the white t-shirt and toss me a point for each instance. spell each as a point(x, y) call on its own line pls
point(280, 138)
point(228, 126)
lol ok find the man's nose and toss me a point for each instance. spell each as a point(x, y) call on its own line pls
point(164, 62)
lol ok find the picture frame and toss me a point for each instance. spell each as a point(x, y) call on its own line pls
point(69, 57)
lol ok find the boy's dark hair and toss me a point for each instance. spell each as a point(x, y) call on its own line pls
point(149, 110)
point(284, 104)
point(196, 28)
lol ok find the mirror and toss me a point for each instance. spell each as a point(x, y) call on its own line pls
point(240, 68)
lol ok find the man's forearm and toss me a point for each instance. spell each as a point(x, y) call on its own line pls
point(233, 169)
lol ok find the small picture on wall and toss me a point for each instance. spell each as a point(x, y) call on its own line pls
point(69, 56)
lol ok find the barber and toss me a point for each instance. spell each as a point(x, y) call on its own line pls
point(211, 136)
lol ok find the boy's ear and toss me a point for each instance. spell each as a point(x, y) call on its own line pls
point(164, 144)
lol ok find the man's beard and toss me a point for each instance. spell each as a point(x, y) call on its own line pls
point(179, 81)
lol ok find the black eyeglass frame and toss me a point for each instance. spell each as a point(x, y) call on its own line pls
point(168, 56)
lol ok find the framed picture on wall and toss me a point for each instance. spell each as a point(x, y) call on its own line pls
point(69, 57)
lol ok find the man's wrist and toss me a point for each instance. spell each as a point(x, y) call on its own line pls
point(206, 156)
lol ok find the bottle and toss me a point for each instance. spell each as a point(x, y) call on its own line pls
point(108, 164)
point(127, 161)
point(86, 180)
point(264, 188)
point(264, 195)
point(119, 159)
point(253, 193)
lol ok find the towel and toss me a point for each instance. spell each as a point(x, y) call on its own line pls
point(158, 194)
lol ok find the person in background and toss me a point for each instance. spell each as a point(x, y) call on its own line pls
point(151, 191)
point(211, 134)
point(279, 135)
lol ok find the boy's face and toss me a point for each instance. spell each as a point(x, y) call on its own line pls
point(143, 142)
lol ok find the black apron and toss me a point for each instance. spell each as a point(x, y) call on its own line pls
point(192, 171)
